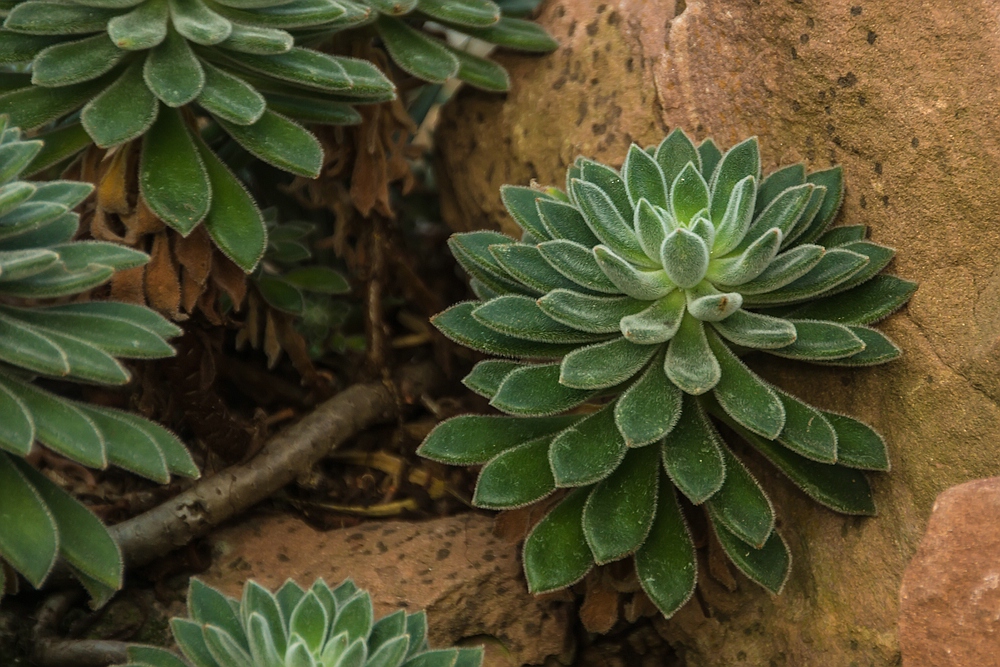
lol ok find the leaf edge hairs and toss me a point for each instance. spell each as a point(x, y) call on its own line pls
point(620, 318)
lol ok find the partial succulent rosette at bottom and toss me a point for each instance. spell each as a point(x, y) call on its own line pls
point(623, 314)
point(294, 627)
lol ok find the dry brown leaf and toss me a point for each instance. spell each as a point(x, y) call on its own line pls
point(163, 288)
point(272, 344)
point(639, 606)
point(112, 190)
point(295, 346)
point(599, 611)
point(230, 279)
point(142, 220)
point(103, 227)
point(208, 304)
point(129, 285)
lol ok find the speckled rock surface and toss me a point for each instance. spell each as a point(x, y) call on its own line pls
point(469, 582)
point(904, 96)
point(950, 599)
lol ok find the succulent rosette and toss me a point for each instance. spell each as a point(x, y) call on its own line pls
point(184, 74)
point(295, 627)
point(629, 301)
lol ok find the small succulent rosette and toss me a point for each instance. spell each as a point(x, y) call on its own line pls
point(319, 627)
point(629, 301)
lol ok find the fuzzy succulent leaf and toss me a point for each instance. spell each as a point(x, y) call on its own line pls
point(695, 261)
point(79, 342)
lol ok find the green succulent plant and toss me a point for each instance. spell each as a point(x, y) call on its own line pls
point(637, 293)
point(71, 341)
point(111, 71)
point(319, 627)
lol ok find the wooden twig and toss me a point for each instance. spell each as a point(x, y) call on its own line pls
point(284, 457)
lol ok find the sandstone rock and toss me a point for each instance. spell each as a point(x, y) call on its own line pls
point(904, 96)
point(950, 599)
point(469, 582)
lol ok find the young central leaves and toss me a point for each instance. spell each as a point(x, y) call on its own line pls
point(629, 304)
point(170, 73)
point(295, 627)
point(74, 341)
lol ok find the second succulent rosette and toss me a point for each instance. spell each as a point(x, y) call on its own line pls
point(622, 315)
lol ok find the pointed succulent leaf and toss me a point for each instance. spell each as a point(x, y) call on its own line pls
point(807, 431)
point(878, 258)
point(637, 283)
point(416, 628)
point(17, 431)
point(416, 53)
point(536, 390)
point(279, 142)
point(61, 144)
point(692, 454)
point(208, 606)
point(472, 250)
point(517, 34)
point(674, 153)
point(578, 263)
point(75, 62)
point(650, 228)
point(619, 511)
point(434, 658)
point(768, 566)
point(355, 618)
point(833, 180)
point(858, 445)
point(786, 267)
point(173, 72)
point(864, 304)
point(878, 349)
point(12, 195)
point(516, 477)
point(756, 331)
point(487, 376)
point(298, 655)
point(313, 109)
point(777, 182)
point(472, 13)
point(261, 637)
point(607, 222)
point(736, 218)
point(584, 312)
point(119, 337)
point(284, 15)
point(189, 637)
point(29, 540)
point(525, 263)
point(807, 216)
point(657, 323)
point(124, 111)
point(740, 161)
point(588, 452)
point(820, 341)
point(650, 408)
point(708, 304)
point(840, 488)
point(41, 17)
point(230, 97)
point(842, 235)
point(142, 28)
point(258, 40)
point(665, 563)
point(386, 629)
point(744, 396)
point(31, 108)
point(390, 654)
point(309, 622)
point(783, 213)
point(608, 181)
point(564, 221)
point(288, 596)
point(688, 194)
point(522, 204)
point(172, 177)
point(604, 365)
point(835, 267)
point(196, 22)
point(685, 257)
point(522, 317)
point(740, 505)
point(750, 263)
point(233, 220)
point(643, 178)
point(128, 447)
point(690, 363)
point(556, 553)
point(458, 324)
point(224, 648)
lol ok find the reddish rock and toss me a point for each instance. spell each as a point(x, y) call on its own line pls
point(950, 599)
point(469, 581)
